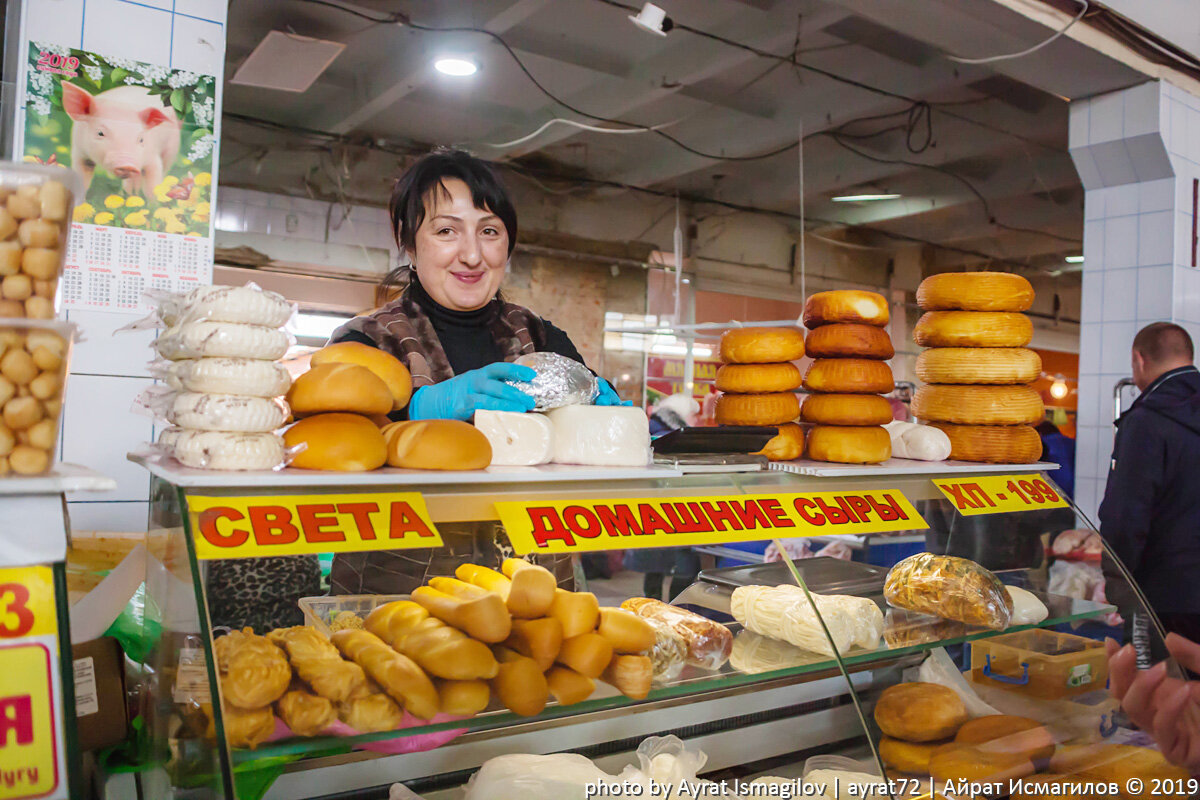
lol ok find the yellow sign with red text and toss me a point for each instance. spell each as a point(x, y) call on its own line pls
point(1000, 494)
point(574, 526)
point(27, 602)
point(254, 527)
point(30, 735)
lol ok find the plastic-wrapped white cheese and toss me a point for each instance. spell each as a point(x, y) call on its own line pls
point(1027, 608)
point(783, 612)
point(518, 440)
point(918, 442)
point(602, 436)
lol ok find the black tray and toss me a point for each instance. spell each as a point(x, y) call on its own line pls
point(822, 574)
point(723, 439)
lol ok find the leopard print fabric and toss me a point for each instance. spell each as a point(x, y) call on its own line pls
point(261, 593)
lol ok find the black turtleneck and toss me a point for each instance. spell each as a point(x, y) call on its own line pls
point(465, 335)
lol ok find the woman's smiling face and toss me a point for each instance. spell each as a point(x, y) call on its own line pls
point(461, 250)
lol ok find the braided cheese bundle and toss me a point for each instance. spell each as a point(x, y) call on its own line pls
point(784, 612)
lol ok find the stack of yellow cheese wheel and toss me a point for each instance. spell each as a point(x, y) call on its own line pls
point(850, 348)
point(978, 371)
point(758, 384)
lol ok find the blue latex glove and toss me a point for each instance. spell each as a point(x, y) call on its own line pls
point(608, 396)
point(463, 395)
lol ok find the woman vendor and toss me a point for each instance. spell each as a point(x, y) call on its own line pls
point(457, 335)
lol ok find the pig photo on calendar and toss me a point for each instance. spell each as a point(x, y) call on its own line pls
point(139, 136)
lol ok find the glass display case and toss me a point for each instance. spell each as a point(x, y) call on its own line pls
point(779, 701)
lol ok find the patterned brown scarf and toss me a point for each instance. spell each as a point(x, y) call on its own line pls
point(402, 329)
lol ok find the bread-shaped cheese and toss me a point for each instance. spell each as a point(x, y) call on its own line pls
point(221, 340)
point(252, 671)
point(227, 451)
point(577, 612)
point(588, 654)
point(601, 436)
point(978, 764)
point(846, 444)
point(973, 329)
point(1007, 734)
point(337, 387)
point(533, 588)
point(244, 376)
point(918, 442)
point(631, 675)
point(775, 408)
point(396, 674)
point(784, 612)
point(846, 305)
point(341, 442)
point(849, 376)
point(440, 649)
point(761, 345)
point(998, 365)
point(319, 663)
point(919, 712)
point(442, 444)
point(517, 440)
point(975, 291)
point(787, 445)
point(850, 340)
point(227, 412)
point(979, 405)
point(385, 366)
point(909, 757)
point(540, 639)
point(568, 686)
point(463, 698)
point(371, 713)
point(476, 612)
point(306, 714)
point(625, 631)
point(243, 304)
point(950, 588)
point(1119, 764)
point(520, 685)
point(992, 444)
point(846, 409)
point(758, 378)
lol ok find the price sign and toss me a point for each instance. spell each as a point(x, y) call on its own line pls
point(999, 494)
point(31, 746)
point(254, 527)
point(574, 526)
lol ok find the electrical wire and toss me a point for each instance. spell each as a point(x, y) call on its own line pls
point(390, 20)
point(574, 124)
point(1026, 51)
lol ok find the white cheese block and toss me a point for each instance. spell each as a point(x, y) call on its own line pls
point(246, 304)
point(245, 376)
point(228, 451)
point(221, 340)
point(227, 412)
point(783, 612)
point(1027, 608)
point(918, 442)
point(601, 436)
point(518, 440)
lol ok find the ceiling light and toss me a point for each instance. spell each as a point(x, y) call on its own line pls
point(458, 67)
point(1058, 389)
point(653, 19)
point(863, 198)
point(1074, 259)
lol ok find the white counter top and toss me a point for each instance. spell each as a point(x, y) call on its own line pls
point(903, 466)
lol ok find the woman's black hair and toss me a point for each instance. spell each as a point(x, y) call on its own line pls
point(407, 204)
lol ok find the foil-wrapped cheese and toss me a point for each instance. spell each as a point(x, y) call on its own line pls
point(518, 440)
point(602, 436)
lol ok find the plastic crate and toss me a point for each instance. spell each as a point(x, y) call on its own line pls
point(320, 611)
point(1040, 663)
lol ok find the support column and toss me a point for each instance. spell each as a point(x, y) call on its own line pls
point(1138, 154)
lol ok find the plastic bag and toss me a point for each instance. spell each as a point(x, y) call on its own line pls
point(222, 451)
point(669, 653)
point(213, 412)
point(245, 376)
point(664, 764)
point(839, 777)
point(565, 776)
point(951, 588)
point(249, 304)
point(1073, 579)
point(206, 339)
point(708, 643)
point(784, 612)
point(802, 548)
point(560, 381)
point(138, 627)
point(940, 669)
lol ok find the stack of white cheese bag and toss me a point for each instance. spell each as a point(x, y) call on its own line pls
point(224, 385)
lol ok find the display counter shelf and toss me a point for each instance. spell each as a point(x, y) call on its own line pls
point(902, 466)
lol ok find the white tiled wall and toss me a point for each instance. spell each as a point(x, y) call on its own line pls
point(108, 370)
point(247, 211)
point(1137, 152)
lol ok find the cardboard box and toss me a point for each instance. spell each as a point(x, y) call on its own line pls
point(99, 692)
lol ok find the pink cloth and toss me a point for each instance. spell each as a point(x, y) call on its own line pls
point(416, 743)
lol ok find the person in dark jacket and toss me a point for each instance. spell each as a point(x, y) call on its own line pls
point(1150, 516)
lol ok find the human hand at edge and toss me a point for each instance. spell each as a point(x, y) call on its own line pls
point(608, 395)
point(483, 388)
point(1166, 708)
